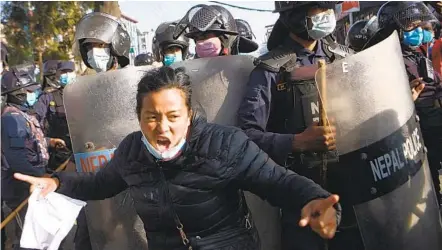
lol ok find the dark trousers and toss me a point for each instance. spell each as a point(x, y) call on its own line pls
point(433, 142)
point(82, 240)
point(18, 223)
point(297, 238)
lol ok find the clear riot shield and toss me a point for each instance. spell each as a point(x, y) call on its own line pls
point(218, 87)
point(100, 111)
point(381, 151)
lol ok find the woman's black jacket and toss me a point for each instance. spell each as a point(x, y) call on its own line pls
point(202, 183)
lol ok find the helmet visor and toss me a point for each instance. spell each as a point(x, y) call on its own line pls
point(413, 16)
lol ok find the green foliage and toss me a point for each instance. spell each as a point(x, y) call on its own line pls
point(31, 28)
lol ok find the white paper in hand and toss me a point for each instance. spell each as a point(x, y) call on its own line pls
point(48, 220)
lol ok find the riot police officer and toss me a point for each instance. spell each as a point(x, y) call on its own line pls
point(165, 48)
point(360, 33)
point(214, 31)
point(278, 112)
point(24, 146)
point(408, 18)
point(3, 69)
point(144, 59)
point(102, 41)
point(50, 111)
point(50, 80)
point(31, 70)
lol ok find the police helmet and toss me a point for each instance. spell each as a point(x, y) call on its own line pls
point(281, 6)
point(50, 67)
point(103, 28)
point(292, 18)
point(209, 18)
point(404, 15)
point(361, 32)
point(164, 39)
point(143, 59)
point(16, 83)
point(66, 66)
point(244, 29)
point(400, 16)
point(246, 43)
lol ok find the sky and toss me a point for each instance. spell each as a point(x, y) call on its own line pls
point(150, 14)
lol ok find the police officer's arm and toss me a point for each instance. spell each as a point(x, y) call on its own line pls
point(41, 108)
point(254, 171)
point(254, 113)
point(105, 183)
point(14, 135)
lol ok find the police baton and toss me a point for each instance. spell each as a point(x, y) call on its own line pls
point(323, 121)
point(20, 207)
point(323, 114)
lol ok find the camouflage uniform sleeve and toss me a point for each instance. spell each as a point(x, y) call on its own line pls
point(15, 133)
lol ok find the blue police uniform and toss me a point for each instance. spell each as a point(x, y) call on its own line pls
point(274, 109)
point(52, 117)
point(24, 150)
point(256, 106)
point(24, 146)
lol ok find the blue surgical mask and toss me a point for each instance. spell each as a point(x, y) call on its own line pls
point(31, 98)
point(414, 37)
point(169, 59)
point(67, 78)
point(427, 36)
point(38, 92)
point(166, 155)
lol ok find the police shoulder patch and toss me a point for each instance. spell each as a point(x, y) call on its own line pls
point(281, 85)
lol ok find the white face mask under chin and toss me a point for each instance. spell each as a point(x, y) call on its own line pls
point(323, 24)
point(98, 59)
point(166, 155)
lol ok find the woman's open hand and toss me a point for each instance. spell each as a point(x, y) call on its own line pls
point(48, 185)
point(321, 216)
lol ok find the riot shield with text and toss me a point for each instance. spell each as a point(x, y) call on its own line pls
point(101, 112)
point(383, 166)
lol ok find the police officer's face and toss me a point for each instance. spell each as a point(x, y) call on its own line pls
point(204, 36)
point(90, 46)
point(165, 118)
point(314, 11)
point(173, 51)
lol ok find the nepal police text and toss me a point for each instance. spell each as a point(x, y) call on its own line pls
point(391, 162)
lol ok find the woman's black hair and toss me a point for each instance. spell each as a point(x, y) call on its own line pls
point(163, 78)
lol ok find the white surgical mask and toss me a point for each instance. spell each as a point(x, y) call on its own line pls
point(98, 59)
point(166, 155)
point(323, 24)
